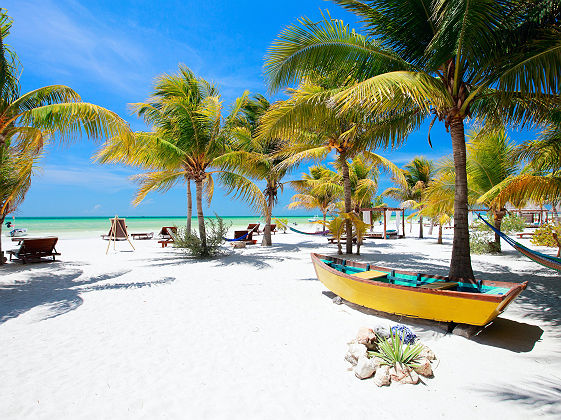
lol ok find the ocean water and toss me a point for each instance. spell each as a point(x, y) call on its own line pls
point(81, 227)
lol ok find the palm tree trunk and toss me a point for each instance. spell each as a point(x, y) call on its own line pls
point(498, 218)
point(420, 226)
point(324, 220)
point(200, 215)
point(348, 205)
point(267, 240)
point(189, 206)
point(439, 234)
point(431, 227)
point(460, 265)
point(1, 252)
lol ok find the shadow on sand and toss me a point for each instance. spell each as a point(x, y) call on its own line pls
point(59, 290)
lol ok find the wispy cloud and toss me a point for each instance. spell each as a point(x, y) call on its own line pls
point(88, 178)
point(68, 40)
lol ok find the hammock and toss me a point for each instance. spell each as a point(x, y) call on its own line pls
point(308, 233)
point(546, 260)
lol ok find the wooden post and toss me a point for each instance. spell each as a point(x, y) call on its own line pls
point(403, 221)
point(371, 220)
point(385, 224)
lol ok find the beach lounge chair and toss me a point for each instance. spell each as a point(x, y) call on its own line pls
point(254, 227)
point(167, 232)
point(248, 239)
point(117, 232)
point(142, 236)
point(34, 249)
point(273, 228)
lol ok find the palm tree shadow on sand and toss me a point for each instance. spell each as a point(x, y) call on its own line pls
point(58, 291)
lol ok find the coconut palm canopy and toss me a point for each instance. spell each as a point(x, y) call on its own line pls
point(189, 136)
point(491, 61)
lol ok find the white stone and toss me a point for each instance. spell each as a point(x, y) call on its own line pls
point(424, 368)
point(364, 368)
point(382, 376)
point(354, 352)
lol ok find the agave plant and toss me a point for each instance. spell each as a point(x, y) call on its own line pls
point(392, 351)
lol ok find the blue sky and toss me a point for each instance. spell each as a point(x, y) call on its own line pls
point(110, 52)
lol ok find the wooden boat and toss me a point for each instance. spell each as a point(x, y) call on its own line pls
point(414, 294)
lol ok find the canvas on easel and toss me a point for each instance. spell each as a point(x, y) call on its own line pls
point(117, 232)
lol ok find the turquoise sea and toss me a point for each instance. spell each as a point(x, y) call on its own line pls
point(76, 227)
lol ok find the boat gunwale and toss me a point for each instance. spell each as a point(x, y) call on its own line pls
point(514, 288)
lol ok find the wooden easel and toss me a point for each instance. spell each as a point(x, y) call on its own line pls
point(113, 233)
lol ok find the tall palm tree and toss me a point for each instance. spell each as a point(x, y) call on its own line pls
point(454, 59)
point(28, 120)
point(318, 189)
point(189, 136)
point(490, 160)
point(258, 157)
point(315, 128)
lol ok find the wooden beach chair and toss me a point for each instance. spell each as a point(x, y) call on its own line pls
point(249, 238)
point(34, 249)
point(117, 232)
point(167, 232)
point(254, 227)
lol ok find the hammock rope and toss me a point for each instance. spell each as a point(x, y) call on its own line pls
point(546, 260)
point(309, 233)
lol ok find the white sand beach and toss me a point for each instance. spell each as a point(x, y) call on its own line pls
point(152, 334)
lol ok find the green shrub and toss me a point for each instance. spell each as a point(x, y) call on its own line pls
point(192, 244)
point(482, 237)
point(543, 236)
point(393, 350)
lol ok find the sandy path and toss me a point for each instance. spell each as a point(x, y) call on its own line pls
point(149, 334)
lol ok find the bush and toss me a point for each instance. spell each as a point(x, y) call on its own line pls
point(543, 236)
point(482, 237)
point(192, 244)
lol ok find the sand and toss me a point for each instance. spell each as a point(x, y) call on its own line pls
point(152, 334)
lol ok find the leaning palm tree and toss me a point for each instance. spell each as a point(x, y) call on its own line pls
point(315, 128)
point(16, 170)
point(438, 200)
point(454, 59)
point(189, 136)
point(318, 189)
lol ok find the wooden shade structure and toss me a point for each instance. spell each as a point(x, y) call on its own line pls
point(384, 210)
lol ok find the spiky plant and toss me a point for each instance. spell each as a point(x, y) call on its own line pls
point(393, 351)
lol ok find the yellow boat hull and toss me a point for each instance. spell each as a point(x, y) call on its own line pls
point(438, 305)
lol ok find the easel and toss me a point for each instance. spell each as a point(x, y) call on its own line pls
point(117, 223)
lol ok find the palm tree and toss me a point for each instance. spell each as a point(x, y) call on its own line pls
point(455, 59)
point(315, 128)
point(318, 189)
point(438, 200)
point(540, 181)
point(418, 175)
point(28, 120)
point(189, 136)
point(257, 157)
